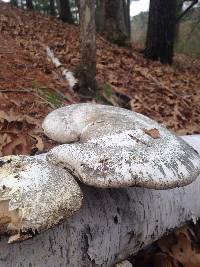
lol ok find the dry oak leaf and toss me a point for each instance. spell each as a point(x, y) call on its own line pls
point(11, 117)
point(154, 133)
point(4, 140)
point(184, 249)
point(40, 144)
point(18, 145)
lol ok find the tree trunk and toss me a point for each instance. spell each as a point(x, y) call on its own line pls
point(111, 225)
point(29, 4)
point(179, 9)
point(127, 16)
point(77, 2)
point(52, 8)
point(86, 71)
point(161, 30)
point(115, 29)
point(100, 15)
point(65, 11)
point(14, 3)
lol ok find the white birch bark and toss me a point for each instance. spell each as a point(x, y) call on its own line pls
point(69, 76)
point(111, 225)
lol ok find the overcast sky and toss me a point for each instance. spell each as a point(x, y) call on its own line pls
point(136, 6)
point(139, 6)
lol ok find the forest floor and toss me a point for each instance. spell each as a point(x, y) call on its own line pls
point(31, 86)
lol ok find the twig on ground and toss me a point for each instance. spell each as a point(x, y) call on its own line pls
point(69, 76)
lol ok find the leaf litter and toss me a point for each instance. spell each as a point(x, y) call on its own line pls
point(30, 87)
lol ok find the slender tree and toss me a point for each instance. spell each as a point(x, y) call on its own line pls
point(127, 16)
point(29, 4)
point(14, 3)
point(100, 15)
point(65, 11)
point(77, 2)
point(87, 70)
point(161, 30)
point(179, 8)
point(52, 8)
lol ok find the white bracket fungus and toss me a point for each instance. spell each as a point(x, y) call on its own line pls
point(114, 147)
point(34, 196)
point(107, 147)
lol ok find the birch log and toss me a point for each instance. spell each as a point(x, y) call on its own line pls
point(69, 76)
point(111, 225)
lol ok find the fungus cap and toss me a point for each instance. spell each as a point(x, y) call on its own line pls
point(34, 196)
point(114, 147)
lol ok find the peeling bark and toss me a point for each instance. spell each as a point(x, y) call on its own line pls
point(111, 225)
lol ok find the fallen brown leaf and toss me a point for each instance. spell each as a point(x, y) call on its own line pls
point(154, 133)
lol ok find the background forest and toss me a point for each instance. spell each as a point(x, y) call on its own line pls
point(59, 52)
point(189, 32)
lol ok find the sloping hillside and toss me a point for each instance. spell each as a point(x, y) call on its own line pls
point(30, 86)
point(188, 41)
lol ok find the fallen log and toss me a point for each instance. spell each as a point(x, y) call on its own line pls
point(111, 225)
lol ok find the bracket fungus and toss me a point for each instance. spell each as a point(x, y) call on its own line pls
point(111, 147)
point(104, 147)
point(34, 196)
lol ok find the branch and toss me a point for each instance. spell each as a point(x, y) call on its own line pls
point(69, 76)
point(194, 2)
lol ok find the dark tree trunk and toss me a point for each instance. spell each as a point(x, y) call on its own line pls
point(161, 30)
point(179, 9)
point(52, 8)
point(127, 17)
point(100, 16)
point(115, 28)
point(65, 11)
point(14, 3)
point(77, 2)
point(77, 11)
point(29, 4)
point(86, 71)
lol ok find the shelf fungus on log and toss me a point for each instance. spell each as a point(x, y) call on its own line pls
point(34, 196)
point(110, 147)
point(113, 147)
point(111, 225)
